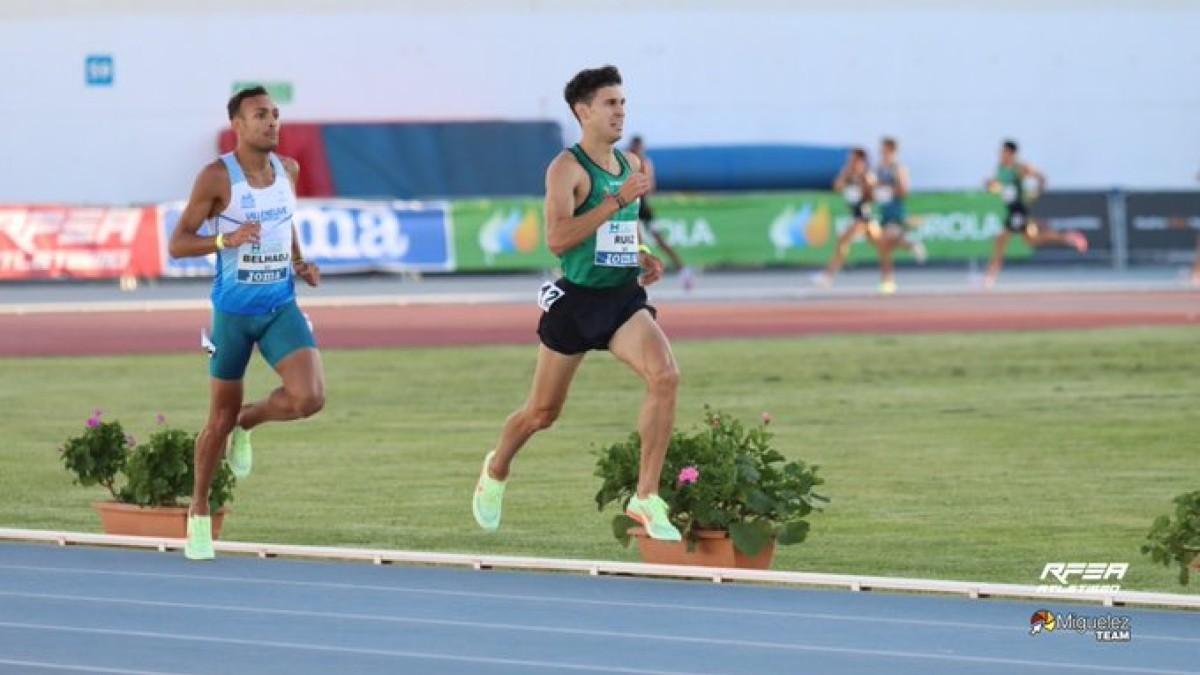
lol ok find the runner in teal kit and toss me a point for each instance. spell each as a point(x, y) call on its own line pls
point(248, 197)
point(891, 191)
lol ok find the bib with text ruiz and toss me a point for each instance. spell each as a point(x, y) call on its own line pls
point(617, 244)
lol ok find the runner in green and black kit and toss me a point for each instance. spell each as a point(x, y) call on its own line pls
point(592, 200)
point(1011, 182)
point(856, 183)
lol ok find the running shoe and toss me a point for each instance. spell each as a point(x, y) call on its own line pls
point(199, 545)
point(489, 498)
point(241, 456)
point(652, 514)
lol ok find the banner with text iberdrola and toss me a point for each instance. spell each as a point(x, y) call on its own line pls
point(737, 230)
point(347, 236)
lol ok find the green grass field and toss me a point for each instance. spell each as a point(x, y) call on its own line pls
point(979, 456)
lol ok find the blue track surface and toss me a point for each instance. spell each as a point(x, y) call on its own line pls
point(123, 611)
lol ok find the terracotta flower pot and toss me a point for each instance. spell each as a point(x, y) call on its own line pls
point(150, 521)
point(714, 548)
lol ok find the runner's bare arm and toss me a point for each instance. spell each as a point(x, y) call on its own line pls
point(206, 196)
point(839, 183)
point(1031, 170)
point(902, 181)
point(564, 231)
point(636, 165)
point(652, 266)
point(648, 169)
point(305, 269)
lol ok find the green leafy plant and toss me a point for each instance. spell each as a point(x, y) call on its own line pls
point(722, 476)
point(1177, 540)
point(97, 455)
point(158, 472)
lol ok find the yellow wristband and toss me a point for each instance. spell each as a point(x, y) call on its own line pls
point(645, 249)
point(220, 242)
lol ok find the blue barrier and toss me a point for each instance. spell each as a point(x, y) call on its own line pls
point(440, 159)
point(747, 167)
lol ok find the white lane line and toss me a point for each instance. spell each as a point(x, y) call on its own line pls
point(550, 599)
point(455, 623)
point(433, 656)
point(853, 651)
point(80, 669)
point(384, 618)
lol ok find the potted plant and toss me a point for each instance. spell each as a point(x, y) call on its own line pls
point(145, 481)
point(1177, 540)
point(732, 495)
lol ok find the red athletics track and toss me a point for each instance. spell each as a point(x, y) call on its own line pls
point(143, 332)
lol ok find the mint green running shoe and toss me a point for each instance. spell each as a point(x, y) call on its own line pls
point(241, 455)
point(199, 544)
point(653, 514)
point(488, 499)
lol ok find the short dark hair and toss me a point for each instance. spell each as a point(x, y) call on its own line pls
point(235, 102)
point(1010, 145)
point(583, 86)
point(889, 142)
point(859, 153)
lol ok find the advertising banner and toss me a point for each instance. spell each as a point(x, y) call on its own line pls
point(749, 230)
point(1161, 223)
point(346, 236)
point(53, 242)
point(1086, 212)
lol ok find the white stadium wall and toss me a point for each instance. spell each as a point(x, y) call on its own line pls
point(1099, 93)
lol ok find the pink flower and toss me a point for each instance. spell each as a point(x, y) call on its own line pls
point(93, 422)
point(688, 475)
point(97, 412)
point(766, 417)
point(161, 418)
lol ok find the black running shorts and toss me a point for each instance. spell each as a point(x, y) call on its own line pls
point(576, 319)
point(1016, 218)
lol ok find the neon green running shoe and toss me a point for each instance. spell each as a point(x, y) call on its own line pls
point(241, 456)
point(199, 544)
point(488, 499)
point(653, 514)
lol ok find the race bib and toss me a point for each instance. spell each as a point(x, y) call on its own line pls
point(884, 194)
point(852, 194)
point(1009, 193)
point(617, 244)
point(263, 263)
point(549, 294)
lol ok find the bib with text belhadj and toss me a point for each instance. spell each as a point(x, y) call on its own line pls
point(266, 262)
